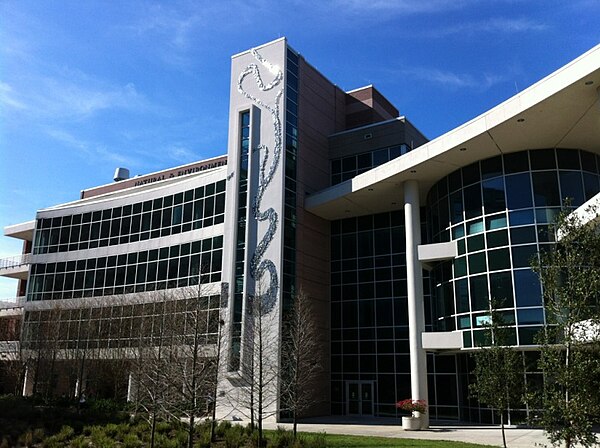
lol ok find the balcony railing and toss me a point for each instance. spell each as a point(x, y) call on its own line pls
point(15, 262)
point(15, 302)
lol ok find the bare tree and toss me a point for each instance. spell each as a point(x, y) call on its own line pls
point(151, 363)
point(263, 351)
point(301, 355)
point(40, 342)
point(194, 355)
point(255, 388)
point(12, 361)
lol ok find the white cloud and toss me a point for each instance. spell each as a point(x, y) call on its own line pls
point(494, 25)
point(95, 153)
point(397, 7)
point(80, 98)
point(69, 139)
point(7, 97)
point(450, 79)
point(69, 98)
point(182, 154)
point(121, 160)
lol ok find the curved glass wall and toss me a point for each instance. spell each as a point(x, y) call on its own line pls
point(499, 210)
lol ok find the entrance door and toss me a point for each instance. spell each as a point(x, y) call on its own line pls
point(360, 397)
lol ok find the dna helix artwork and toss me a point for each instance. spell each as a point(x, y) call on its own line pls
point(259, 265)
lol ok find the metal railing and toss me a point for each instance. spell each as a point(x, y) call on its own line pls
point(13, 302)
point(15, 262)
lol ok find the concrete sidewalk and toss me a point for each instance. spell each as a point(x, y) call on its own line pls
point(481, 434)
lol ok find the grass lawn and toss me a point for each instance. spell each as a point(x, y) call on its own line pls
point(343, 441)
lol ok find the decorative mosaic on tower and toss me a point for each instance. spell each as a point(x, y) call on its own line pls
point(259, 265)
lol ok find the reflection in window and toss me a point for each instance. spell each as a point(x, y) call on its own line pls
point(479, 293)
point(518, 191)
point(530, 316)
point(493, 195)
point(571, 187)
point(545, 189)
point(527, 288)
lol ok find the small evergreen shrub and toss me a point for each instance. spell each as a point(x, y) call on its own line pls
point(131, 441)
point(234, 437)
point(162, 440)
point(39, 434)
point(257, 442)
point(79, 442)
point(163, 427)
point(203, 440)
point(222, 428)
point(282, 438)
point(181, 436)
point(26, 438)
point(99, 438)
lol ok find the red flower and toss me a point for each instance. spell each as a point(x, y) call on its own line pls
point(411, 405)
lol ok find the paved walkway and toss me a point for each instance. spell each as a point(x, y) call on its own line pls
point(482, 434)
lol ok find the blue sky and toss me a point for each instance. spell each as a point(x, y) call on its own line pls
point(86, 86)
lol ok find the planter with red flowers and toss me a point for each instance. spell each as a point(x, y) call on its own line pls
point(416, 408)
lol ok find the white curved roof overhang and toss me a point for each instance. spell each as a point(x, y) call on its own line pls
point(562, 110)
point(136, 193)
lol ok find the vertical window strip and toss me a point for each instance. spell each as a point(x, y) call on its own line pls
point(240, 242)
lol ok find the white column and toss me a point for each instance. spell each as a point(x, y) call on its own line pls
point(28, 382)
point(131, 388)
point(414, 280)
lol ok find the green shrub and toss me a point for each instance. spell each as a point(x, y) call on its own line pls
point(222, 428)
point(234, 437)
point(318, 440)
point(162, 427)
point(99, 438)
point(39, 434)
point(131, 440)
point(164, 441)
point(60, 439)
point(203, 440)
point(26, 438)
point(203, 427)
point(257, 442)
point(250, 429)
point(111, 430)
point(79, 442)
point(282, 438)
point(104, 408)
point(180, 435)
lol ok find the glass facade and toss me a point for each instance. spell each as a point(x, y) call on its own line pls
point(500, 212)
point(345, 168)
point(149, 270)
point(369, 321)
point(240, 242)
point(169, 215)
point(122, 325)
point(291, 154)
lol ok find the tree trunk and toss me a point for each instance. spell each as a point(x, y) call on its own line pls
point(260, 387)
point(191, 432)
point(502, 426)
point(295, 394)
point(153, 431)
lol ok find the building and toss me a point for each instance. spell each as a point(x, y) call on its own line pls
point(399, 242)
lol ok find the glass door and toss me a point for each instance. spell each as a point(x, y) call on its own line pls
point(360, 397)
